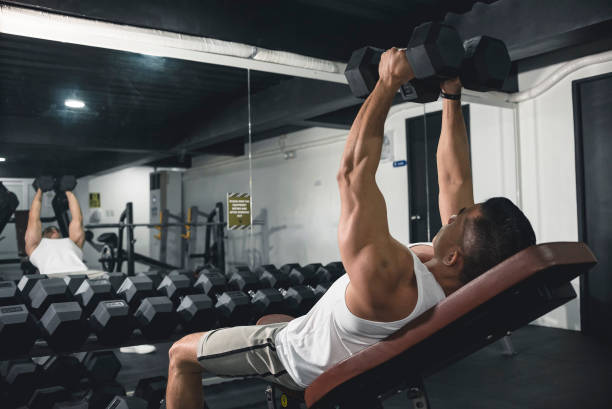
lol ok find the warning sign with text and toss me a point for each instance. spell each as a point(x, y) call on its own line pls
point(94, 200)
point(238, 211)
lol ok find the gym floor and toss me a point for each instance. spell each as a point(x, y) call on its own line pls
point(553, 369)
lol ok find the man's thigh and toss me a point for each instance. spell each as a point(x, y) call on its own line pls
point(246, 351)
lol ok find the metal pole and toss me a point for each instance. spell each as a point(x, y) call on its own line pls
point(130, 238)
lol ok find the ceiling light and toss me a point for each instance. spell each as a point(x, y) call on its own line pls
point(74, 103)
point(2, 159)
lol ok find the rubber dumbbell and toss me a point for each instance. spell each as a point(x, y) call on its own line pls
point(234, 308)
point(66, 183)
point(74, 281)
point(91, 292)
point(299, 299)
point(116, 279)
point(434, 52)
point(321, 289)
point(44, 183)
point(9, 294)
point(45, 398)
point(176, 286)
point(156, 276)
point(64, 327)
point(101, 366)
point(211, 283)
point(22, 377)
point(134, 289)
point(26, 283)
point(187, 272)
point(48, 291)
point(126, 402)
point(151, 390)
point(63, 370)
point(156, 317)
point(18, 331)
point(112, 322)
point(101, 395)
point(197, 313)
point(268, 301)
point(486, 64)
point(273, 277)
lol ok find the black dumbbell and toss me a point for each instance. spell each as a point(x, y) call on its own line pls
point(9, 295)
point(151, 390)
point(101, 395)
point(46, 292)
point(125, 402)
point(26, 283)
point(18, 331)
point(45, 398)
point(22, 377)
point(197, 313)
point(112, 322)
point(44, 183)
point(268, 301)
point(63, 370)
point(303, 275)
point(321, 289)
point(434, 52)
point(234, 308)
point(486, 64)
point(64, 327)
point(155, 275)
point(74, 281)
point(101, 366)
point(156, 317)
point(91, 292)
point(244, 280)
point(66, 183)
point(299, 299)
point(134, 289)
point(187, 272)
point(273, 277)
point(211, 282)
point(116, 279)
point(176, 286)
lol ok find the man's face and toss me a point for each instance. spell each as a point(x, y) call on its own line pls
point(450, 235)
point(53, 234)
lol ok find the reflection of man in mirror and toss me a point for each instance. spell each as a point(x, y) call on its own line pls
point(47, 249)
point(387, 283)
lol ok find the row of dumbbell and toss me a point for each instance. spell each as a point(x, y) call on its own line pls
point(70, 381)
point(113, 307)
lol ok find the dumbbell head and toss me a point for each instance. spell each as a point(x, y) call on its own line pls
point(63, 370)
point(116, 279)
point(435, 50)
point(299, 299)
point(26, 282)
point(156, 317)
point(74, 281)
point(44, 183)
point(101, 366)
point(486, 64)
point(336, 268)
point(63, 326)
point(155, 275)
point(126, 402)
point(211, 283)
point(421, 91)
point(102, 395)
point(321, 289)
point(9, 295)
point(46, 292)
point(112, 322)
point(66, 183)
point(234, 308)
point(272, 277)
point(45, 398)
point(134, 289)
point(186, 272)
point(91, 292)
point(152, 391)
point(362, 70)
point(197, 313)
point(22, 378)
point(176, 286)
point(268, 301)
point(244, 280)
point(18, 332)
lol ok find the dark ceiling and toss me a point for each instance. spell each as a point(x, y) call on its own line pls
point(142, 109)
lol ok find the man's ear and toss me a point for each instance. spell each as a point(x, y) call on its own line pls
point(453, 257)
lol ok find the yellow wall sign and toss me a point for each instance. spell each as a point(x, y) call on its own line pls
point(94, 200)
point(238, 211)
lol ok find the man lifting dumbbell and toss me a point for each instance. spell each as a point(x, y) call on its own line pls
point(387, 284)
point(47, 250)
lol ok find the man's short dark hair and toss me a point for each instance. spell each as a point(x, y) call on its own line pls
point(499, 231)
point(49, 230)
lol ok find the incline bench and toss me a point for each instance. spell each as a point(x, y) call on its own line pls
point(510, 295)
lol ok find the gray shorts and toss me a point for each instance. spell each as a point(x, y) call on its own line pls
point(247, 351)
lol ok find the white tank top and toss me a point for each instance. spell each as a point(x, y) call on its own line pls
point(53, 256)
point(330, 333)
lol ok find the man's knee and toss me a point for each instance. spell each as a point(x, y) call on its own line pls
point(183, 354)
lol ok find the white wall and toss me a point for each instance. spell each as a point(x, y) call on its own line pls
point(301, 196)
point(116, 189)
point(549, 169)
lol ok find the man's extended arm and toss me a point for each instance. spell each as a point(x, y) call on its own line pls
point(453, 157)
point(75, 230)
point(367, 249)
point(33, 233)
